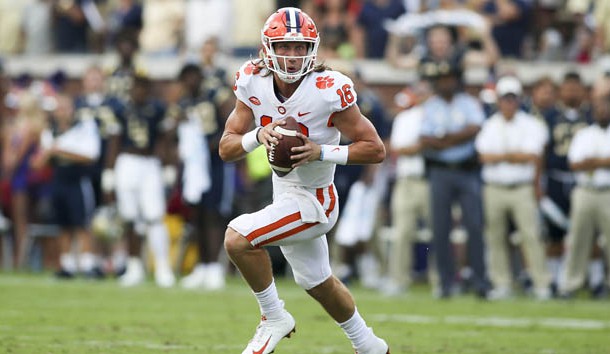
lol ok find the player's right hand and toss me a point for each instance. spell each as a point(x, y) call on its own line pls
point(267, 135)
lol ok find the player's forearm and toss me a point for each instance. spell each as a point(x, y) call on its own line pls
point(366, 152)
point(492, 158)
point(112, 151)
point(590, 164)
point(77, 158)
point(519, 157)
point(408, 150)
point(230, 148)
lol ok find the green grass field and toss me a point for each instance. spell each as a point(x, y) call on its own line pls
point(41, 315)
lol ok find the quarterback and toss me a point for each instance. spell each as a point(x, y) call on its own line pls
point(286, 81)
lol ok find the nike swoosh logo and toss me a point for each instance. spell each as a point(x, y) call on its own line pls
point(303, 114)
point(261, 350)
point(335, 149)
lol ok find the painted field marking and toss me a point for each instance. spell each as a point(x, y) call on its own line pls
point(495, 321)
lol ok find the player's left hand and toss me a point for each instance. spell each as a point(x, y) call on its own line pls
point(301, 155)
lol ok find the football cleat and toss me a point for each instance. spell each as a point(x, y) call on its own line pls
point(196, 279)
point(134, 274)
point(269, 333)
point(378, 347)
point(215, 277)
point(164, 277)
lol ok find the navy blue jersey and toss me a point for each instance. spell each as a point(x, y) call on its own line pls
point(104, 110)
point(120, 81)
point(563, 123)
point(140, 125)
point(205, 108)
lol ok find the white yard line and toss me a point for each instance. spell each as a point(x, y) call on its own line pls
point(495, 321)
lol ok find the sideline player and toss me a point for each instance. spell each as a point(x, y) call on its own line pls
point(138, 182)
point(287, 82)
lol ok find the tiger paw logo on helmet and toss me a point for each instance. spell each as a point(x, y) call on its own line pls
point(325, 82)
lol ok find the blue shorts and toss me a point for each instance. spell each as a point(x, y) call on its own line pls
point(73, 202)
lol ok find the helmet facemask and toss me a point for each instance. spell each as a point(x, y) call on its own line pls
point(272, 60)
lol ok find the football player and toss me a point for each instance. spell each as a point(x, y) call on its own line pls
point(204, 175)
point(571, 115)
point(137, 178)
point(287, 81)
point(121, 75)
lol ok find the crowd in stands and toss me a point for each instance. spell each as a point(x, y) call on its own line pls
point(398, 224)
point(549, 30)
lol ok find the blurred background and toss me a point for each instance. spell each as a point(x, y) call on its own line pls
point(91, 51)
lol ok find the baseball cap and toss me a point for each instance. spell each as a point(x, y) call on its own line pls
point(508, 85)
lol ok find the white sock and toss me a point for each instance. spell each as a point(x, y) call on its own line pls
point(356, 330)
point(119, 259)
point(554, 266)
point(67, 262)
point(596, 273)
point(269, 302)
point(159, 243)
point(86, 262)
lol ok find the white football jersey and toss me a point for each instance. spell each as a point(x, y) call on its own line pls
point(313, 104)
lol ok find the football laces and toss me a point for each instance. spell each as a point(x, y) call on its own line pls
point(271, 152)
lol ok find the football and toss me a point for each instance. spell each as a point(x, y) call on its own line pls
point(279, 154)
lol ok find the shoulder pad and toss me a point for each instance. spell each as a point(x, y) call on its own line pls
point(243, 78)
point(336, 89)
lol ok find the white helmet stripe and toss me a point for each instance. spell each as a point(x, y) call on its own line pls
point(293, 20)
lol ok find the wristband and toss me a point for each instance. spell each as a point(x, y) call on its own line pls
point(250, 140)
point(334, 153)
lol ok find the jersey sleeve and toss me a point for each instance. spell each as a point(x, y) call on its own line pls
point(243, 82)
point(337, 90)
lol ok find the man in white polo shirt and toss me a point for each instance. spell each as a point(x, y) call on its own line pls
point(589, 158)
point(410, 196)
point(510, 146)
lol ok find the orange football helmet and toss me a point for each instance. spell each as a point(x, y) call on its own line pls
point(289, 24)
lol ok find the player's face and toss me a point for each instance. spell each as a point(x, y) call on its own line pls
point(139, 92)
point(291, 55)
point(572, 92)
point(192, 82)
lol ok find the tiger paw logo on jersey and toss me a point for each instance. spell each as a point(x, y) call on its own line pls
point(251, 68)
point(324, 82)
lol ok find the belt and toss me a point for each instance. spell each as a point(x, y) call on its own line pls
point(468, 165)
point(138, 152)
point(510, 185)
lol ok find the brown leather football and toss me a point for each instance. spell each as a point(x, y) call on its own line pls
point(279, 155)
